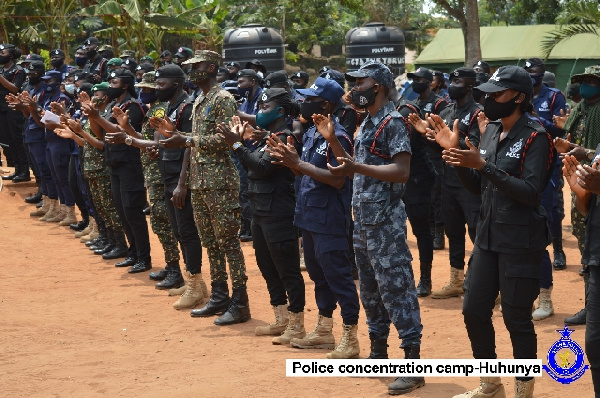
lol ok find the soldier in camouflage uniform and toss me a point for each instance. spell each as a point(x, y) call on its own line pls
point(159, 218)
point(380, 167)
point(214, 183)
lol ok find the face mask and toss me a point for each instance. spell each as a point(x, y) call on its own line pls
point(362, 99)
point(148, 98)
point(264, 119)
point(588, 91)
point(91, 54)
point(57, 63)
point(307, 109)
point(536, 78)
point(244, 92)
point(70, 88)
point(197, 76)
point(296, 86)
point(33, 80)
point(419, 87)
point(98, 100)
point(166, 94)
point(50, 88)
point(456, 92)
point(115, 92)
point(497, 110)
point(4, 59)
point(81, 61)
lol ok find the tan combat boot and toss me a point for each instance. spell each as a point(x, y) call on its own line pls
point(524, 389)
point(42, 210)
point(53, 210)
point(348, 347)
point(87, 229)
point(62, 213)
point(320, 337)
point(69, 217)
point(545, 307)
point(276, 328)
point(294, 329)
point(454, 288)
point(193, 293)
point(489, 387)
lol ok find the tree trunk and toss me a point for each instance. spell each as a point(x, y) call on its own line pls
point(472, 38)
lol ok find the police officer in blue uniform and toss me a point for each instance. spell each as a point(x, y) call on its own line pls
point(57, 60)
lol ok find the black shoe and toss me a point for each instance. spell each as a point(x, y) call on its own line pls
point(378, 349)
point(100, 244)
point(140, 266)
point(160, 275)
point(81, 225)
point(22, 177)
point(147, 210)
point(128, 262)
point(560, 260)
point(39, 204)
point(439, 243)
point(403, 385)
point(117, 252)
point(584, 270)
point(35, 198)
point(577, 319)
point(93, 242)
point(239, 309)
point(8, 176)
point(245, 236)
point(218, 302)
point(106, 249)
point(173, 280)
point(424, 288)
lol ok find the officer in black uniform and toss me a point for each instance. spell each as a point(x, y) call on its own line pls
point(96, 65)
point(429, 102)
point(345, 113)
point(510, 170)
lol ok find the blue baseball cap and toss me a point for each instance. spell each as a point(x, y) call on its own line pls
point(52, 74)
point(327, 89)
point(376, 71)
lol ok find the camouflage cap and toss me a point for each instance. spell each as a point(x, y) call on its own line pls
point(376, 71)
point(204, 55)
point(127, 54)
point(148, 80)
point(105, 47)
point(590, 71)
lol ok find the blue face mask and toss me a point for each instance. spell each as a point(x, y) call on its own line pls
point(264, 119)
point(244, 92)
point(148, 98)
point(70, 88)
point(588, 91)
point(536, 78)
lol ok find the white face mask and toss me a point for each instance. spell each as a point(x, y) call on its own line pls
point(70, 88)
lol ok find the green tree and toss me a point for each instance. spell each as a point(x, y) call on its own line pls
point(522, 12)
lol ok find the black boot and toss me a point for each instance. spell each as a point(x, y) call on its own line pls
point(580, 318)
point(403, 385)
point(424, 288)
point(173, 280)
point(141, 265)
point(100, 243)
point(239, 308)
point(130, 260)
point(218, 302)
point(120, 249)
point(110, 238)
point(35, 198)
point(21, 173)
point(378, 348)
point(160, 275)
point(439, 243)
point(81, 225)
point(560, 259)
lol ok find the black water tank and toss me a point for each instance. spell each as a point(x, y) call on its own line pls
point(375, 42)
point(254, 41)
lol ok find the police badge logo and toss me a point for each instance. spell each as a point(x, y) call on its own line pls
point(264, 97)
point(565, 358)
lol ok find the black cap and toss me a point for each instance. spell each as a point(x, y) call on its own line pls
point(573, 90)
point(37, 66)
point(483, 65)
point(324, 69)
point(222, 69)
point(277, 77)
point(6, 46)
point(91, 40)
point(549, 79)
point(533, 62)
point(253, 62)
point(508, 77)
point(33, 57)
point(170, 71)
point(146, 67)
point(184, 52)
point(52, 74)
point(86, 87)
point(463, 72)
point(300, 74)
point(247, 73)
point(271, 93)
point(84, 76)
point(333, 74)
point(165, 54)
point(421, 72)
point(58, 52)
point(233, 64)
point(121, 74)
point(130, 63)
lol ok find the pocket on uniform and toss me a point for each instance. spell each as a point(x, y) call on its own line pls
point(316, 208)
point(261, 194)
point(373, 208)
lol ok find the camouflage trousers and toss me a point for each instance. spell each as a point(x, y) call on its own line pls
point(161, 226)
point(578, 222)
point(217, 216)
point(387, 283)
point(103, 200)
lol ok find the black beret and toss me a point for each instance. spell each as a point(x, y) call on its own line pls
point(468, 73)
point(170, 71)
point(271, 93)
point(247, 73)
point(121, 74)
point(274, 78)
point(58, 51)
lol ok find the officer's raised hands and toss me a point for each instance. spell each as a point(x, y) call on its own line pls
point(419, 124)
point(443, 135)
point(469, 158)
point(559, 121)
point(589, 177)
point(569, 170)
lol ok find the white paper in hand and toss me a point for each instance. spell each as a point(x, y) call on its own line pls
point(50, 117)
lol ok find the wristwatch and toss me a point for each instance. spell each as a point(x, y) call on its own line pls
point(128, 140)
point(590, 154)
point(236, 145)
point(189, 142)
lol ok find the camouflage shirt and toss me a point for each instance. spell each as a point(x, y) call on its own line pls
point(150, 166)
point(210, 163)
point(93, 158)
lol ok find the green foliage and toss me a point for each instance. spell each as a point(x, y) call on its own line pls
point(521, 12)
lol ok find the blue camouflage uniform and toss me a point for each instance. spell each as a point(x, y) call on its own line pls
point(387, 285)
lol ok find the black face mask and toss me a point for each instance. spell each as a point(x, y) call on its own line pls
point(4, 59)
point(33, 80)
point(57, 63)
point(420, 87)
point(307, 109)
point(115, 92)
point(457, 93)
point(166, 93)
point(497, 110)
point(362, 99)
point(91, 53)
